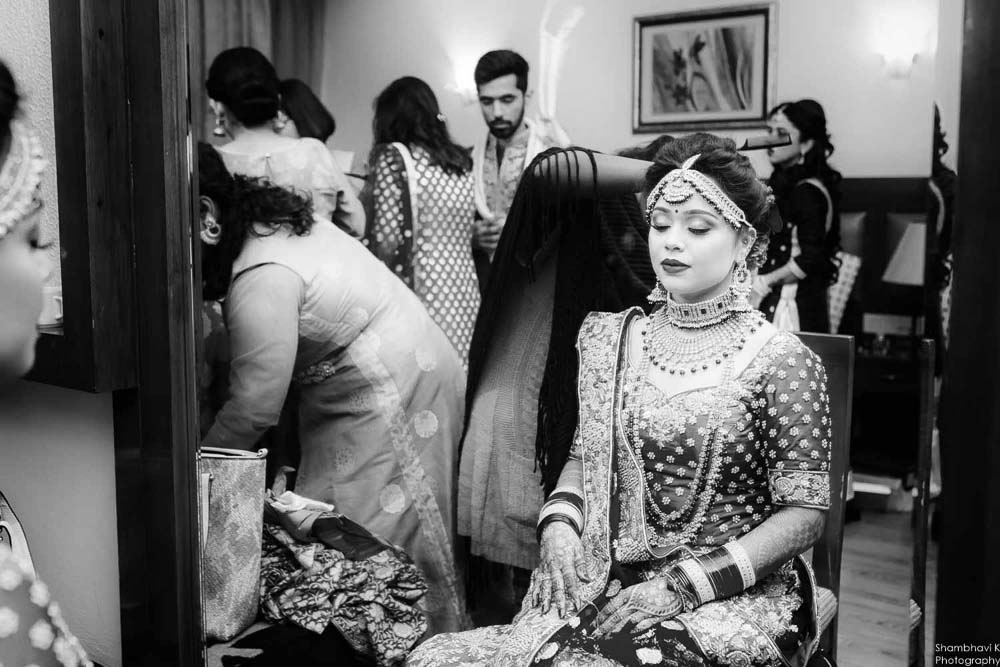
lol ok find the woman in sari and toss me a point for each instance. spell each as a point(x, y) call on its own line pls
point(699, 470)
point(379, 386)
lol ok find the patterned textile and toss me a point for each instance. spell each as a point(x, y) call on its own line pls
point(496, 183)
point(32, 630)
point(372, 602)
point(500, 179)
point(839, 292)
point(379, 436)
point(435, 260)
point(707, 451)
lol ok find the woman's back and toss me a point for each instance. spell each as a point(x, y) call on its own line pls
point(303, 165)
point(430, 251)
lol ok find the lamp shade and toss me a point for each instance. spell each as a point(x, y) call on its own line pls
point(906, 266)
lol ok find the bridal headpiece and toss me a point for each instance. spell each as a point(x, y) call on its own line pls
point(680, 184)
point(20, 176)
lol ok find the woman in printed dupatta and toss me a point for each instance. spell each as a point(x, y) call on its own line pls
point(700, 468)
point(423, 207)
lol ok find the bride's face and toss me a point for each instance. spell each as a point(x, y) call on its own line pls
point(693, 249)
point(24, 267)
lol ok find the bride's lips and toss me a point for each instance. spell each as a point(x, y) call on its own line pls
point(673, 266)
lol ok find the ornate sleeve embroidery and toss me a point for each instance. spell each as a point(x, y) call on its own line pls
point(390, 237)
point(32, 631)
point(797, 430)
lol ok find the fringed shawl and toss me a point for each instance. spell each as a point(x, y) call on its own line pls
point(603, 264)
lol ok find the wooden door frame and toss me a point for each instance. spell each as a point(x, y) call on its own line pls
point(156, 425)
point(121, 67)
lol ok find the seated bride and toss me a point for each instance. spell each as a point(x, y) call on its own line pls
point(700, 467)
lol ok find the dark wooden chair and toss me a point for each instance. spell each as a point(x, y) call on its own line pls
point(921, 503)
point(837, 353)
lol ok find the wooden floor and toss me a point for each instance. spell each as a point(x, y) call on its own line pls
point(875, 591)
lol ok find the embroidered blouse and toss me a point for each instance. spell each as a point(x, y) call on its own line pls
point(707, 465)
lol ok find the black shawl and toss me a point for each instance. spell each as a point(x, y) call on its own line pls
point(603, 265)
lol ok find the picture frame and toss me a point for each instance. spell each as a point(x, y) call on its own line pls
point(711, 69)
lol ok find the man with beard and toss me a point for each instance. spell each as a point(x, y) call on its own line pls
point(508, 148)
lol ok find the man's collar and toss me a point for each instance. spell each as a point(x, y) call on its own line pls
point(519, 137)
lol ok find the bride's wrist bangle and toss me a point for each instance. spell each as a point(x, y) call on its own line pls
point(554, 518)
point(718, 574)
point(564, 502)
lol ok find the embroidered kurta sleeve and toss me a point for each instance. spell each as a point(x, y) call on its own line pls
point(32, 631)
point(808, 210)
point(391, 234)
point(262, 313)
point(796, 427)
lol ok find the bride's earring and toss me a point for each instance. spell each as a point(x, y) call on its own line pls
point(742, 283)
point(658, 295)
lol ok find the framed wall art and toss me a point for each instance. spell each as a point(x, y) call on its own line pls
point(704, 69)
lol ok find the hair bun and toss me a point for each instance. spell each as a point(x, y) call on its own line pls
point(254, 102)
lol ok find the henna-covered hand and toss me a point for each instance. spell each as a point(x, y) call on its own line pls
point(643, 605)
point(561, 571)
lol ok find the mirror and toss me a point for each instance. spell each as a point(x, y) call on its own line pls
point(878, 86)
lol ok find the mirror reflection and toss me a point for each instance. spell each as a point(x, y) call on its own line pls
point(403, 229)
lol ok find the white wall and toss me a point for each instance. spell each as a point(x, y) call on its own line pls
point(25, 47)
point(57, 468)
point(948, 75)
point(827, 50)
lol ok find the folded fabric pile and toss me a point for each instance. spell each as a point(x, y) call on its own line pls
point(347, 579)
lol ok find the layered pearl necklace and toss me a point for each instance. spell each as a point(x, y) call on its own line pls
point(682, 338)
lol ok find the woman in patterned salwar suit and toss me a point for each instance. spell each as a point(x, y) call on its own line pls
point(700, 468)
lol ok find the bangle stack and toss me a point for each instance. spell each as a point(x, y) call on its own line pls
point(718, 574)
point(565, 505)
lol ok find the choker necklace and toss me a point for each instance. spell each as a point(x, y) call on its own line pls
point(682, 338)
point(703, 313)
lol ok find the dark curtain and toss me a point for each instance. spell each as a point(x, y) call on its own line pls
point(289, 33)
point(968, 604)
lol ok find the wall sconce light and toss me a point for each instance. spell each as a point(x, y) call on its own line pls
point(899, 40)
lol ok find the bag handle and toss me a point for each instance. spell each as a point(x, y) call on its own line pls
point(10, 524)
point(224, 453)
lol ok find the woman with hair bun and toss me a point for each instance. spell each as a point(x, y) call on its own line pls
point(801, 260)
point(699, 473)
point(245, 96)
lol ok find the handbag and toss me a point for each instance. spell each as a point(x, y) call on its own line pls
point(231, 523)
point(12, 535)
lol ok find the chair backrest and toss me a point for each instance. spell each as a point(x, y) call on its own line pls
point(837, 353)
